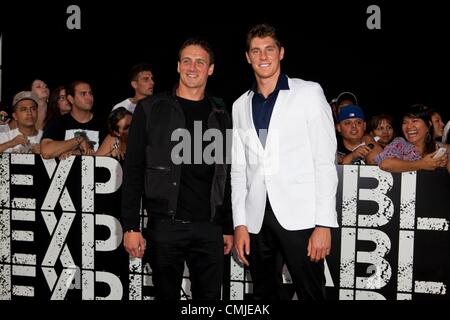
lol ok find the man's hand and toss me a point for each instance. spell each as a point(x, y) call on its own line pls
point(36, 148)
point(134, 243)
point(4, 118)
point(19, 139)
point(227, 243)
point(319, 244)
point(242, 243)
point(86, 148)
point(65, 155)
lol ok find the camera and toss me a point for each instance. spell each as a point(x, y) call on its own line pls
point(4, 117)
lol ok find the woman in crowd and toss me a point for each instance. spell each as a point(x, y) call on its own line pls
point(438, 126)
point(381, 125)
point(119, 121)
point(416, 150)
point(58, 103)
point(41, 89)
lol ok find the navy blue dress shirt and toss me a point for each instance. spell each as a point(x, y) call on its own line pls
point(262, 108)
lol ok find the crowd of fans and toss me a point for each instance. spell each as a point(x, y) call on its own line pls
point(61, 124)
point(374, 141)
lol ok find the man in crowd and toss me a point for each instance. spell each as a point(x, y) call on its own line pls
point(77, 132)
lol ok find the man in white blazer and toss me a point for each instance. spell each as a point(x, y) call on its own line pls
point(283, 175)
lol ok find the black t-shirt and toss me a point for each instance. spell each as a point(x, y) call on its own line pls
point(66, 127)
point(341, 149)
point(194, 198)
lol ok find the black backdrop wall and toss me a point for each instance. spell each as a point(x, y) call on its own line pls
point(60, 236)
point(403, 63)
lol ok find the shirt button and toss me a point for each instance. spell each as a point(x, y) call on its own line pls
point(174, 183)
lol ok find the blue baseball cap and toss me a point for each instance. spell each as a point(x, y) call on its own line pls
point(349, 112)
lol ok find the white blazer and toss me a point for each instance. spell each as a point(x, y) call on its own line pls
point(296, 168)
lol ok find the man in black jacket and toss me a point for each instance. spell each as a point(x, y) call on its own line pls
point(186, 195)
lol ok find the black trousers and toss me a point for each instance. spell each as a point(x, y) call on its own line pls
point(171, 243)
point(270, 249)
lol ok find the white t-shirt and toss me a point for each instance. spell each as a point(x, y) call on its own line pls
point(4, 128)
point(127, 104)
point(11, 134)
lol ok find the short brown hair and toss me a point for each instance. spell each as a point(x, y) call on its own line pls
point(201, 43)
point(114, 117)
point(375, 121)
point(261, 31)
point(138, 68)
point(70, 89)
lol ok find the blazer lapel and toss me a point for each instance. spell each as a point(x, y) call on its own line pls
point(276, 119)
point(251, 124)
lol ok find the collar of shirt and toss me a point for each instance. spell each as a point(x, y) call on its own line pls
point(282, 84)
point(262, 108)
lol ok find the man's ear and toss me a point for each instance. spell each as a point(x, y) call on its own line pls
point(134, 84)
point(211, 69)
point(70, 99)
point(248, 58)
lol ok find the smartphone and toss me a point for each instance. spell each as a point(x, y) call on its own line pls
point(441, 151)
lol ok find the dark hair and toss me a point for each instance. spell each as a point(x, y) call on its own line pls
point(53, 102)
point(418, 111)
point(262, 31)
point(70, 89)
point(375, 121)
point(433, 112)
point(114, 117)
point(421, 111)
point(138, 68)
point(198, 42)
